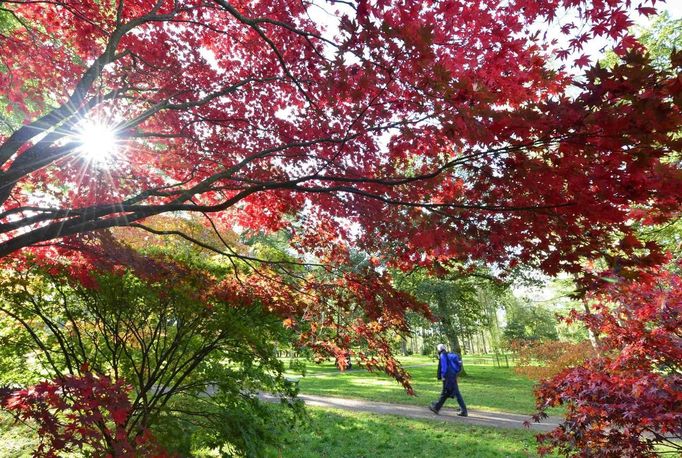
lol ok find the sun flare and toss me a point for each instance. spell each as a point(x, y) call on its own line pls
point(98, 142)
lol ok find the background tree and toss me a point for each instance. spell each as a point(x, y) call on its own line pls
point(527, 321)
point(463, 303)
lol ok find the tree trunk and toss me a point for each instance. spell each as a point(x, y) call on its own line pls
point(593, 338)
point(449, 330)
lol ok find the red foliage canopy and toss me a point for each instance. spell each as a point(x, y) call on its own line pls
point(438, 128)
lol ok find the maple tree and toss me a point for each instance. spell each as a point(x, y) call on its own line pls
point(153, 341)
point(419, 132)
point(435, 140)
point(627, 400)
point(177, 324)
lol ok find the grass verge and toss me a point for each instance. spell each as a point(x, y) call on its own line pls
point(336, 433)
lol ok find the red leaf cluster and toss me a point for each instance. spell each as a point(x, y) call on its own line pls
point(629, 399)
point(75, 413)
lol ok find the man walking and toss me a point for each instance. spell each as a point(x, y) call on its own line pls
point(449, 366)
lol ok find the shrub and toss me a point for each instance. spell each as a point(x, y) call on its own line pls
point(540, 360)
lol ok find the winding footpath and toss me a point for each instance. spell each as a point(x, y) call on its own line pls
point(476, 417)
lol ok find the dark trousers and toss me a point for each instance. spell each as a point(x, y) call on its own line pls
point(444, 396)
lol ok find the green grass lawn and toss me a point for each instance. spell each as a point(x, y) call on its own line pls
point(483, 387)
point(337, 433)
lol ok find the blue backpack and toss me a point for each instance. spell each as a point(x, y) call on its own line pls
point(454, 362)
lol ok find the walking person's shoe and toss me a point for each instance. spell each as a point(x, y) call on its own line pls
point(433, 409)
point(463, 414)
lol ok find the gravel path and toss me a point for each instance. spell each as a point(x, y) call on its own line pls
point(476, 417)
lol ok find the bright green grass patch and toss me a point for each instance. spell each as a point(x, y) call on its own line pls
point(483, 387)
point(338, 433)
point(16, 439)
